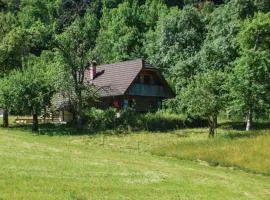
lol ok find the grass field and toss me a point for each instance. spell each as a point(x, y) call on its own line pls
point(133, 166)
point(249, 152)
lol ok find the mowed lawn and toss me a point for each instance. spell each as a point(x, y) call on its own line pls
point(118, 167)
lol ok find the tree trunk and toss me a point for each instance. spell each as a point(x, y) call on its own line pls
point(5, 118)
point(211, 130)
point(35, 123)
point(250, 111)
point(249, 120)
point(215, 125)
point(44, 115)
point(212, 120)
point(79, 123)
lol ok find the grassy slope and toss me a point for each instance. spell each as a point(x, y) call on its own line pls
point(249, 152)
point(79, 167)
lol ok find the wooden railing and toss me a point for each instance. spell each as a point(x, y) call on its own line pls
point(28, 120)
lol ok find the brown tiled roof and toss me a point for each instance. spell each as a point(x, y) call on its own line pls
point(114, 79)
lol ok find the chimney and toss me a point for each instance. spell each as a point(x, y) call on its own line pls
point(93, 69)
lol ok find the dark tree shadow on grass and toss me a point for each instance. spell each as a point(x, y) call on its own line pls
point(154, 125)
point(53, 129)
point(237, 129)
point(242, 125)
point(250, 134)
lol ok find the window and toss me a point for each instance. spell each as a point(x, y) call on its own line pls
point(146, 80)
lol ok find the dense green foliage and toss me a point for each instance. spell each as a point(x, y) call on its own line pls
point(128, 120)
point(205, 97)
point(250, 79)
point(213, 52)
point(33, 86)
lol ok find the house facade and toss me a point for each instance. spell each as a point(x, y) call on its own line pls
point(129, 84)
point(126, 84)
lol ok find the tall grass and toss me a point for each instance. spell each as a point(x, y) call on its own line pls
point(249, 152)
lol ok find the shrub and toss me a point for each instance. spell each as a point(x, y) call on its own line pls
point(128, 118)
point(100, 120)
point(165, 121)
point(162, 121)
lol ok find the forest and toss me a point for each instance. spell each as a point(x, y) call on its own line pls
point(214, 54)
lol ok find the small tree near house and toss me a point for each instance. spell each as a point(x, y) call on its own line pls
point(204, 97)
point(32, 88)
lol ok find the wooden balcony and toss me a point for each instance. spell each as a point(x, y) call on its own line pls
point(147, 90)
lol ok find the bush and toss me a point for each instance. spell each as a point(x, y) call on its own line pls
point(128, 119)
point(165, 121)
point(100, 120)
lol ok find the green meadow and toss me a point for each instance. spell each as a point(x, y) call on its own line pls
point(182, 164)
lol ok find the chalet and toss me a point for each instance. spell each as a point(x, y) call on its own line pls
point(128, 84)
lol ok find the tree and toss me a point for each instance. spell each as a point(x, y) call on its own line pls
point(150, 12)
point(219, 49)
point(75, 46)
point(33, 86)
point(262, 5)
point(69, 10)
point(223, 24)
point(175, 44)
point(178, 36)
point(120, 37)
point(250, 85)
point(6, 101)
point(26, 29)
point(205, 97)
point(32, 11)
point(37, 18)
point(10, 37)
point(16, 46)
